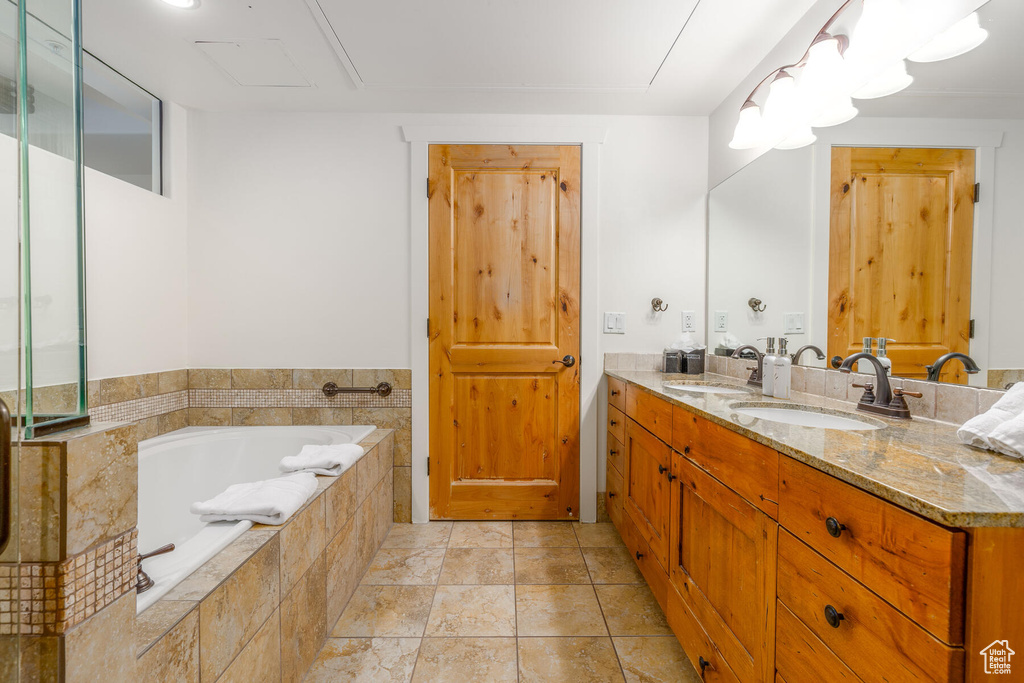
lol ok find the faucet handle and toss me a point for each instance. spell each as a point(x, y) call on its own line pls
point(903, 392)
point(159, 551)
point(870, 386)
point(869, 392)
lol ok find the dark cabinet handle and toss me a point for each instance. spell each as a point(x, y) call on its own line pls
point(661, 469)
point(703, 665)
point(613, 423)
point(833, 616)
point(613, 452)
point(611, 495)
point(835, 529)
point(615, 392)
point(639, 555)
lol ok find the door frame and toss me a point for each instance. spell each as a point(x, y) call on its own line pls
point(908, 133)
point(590, 139)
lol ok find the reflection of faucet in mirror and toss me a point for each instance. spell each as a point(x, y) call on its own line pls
point(758, 370)
point(935, 369)
point(807, 347)
point(887, 402)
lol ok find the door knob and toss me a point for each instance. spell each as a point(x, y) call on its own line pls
point(568, 361)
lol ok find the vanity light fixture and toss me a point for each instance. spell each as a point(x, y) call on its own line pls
point(183, 4)
point(836, 68)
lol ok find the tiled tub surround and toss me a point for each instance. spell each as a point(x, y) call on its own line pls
point(162, 402)
point(261, 609)
point(918, 464)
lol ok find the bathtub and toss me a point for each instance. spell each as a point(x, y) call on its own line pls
point(197, 463)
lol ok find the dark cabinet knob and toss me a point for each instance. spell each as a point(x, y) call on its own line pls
point(661, 469)
point(672, 477)
point(686, 450)
point(835, 529)
point(703, 665)
point(611, 495)
point(639, 555)
point(613, 452)
point(613, 423)
point(614, 392)
point(833, 616)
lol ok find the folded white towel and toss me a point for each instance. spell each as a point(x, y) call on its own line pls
point(330, 461)
point(271, 501)
point(1008, 438)
point(978, 430)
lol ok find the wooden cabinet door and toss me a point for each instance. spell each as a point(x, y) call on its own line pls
point(504, 315)
point(723, 564)
point(648, 464)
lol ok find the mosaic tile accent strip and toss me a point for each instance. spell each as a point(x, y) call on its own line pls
point(294, 398)
point(50, 598)
point(141, 408)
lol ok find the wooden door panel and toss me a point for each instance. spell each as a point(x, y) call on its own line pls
point(900, 254)
point(504, 305)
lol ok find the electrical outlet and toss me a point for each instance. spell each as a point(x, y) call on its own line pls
point(614, 323)
point(793, 323)
point(721, 321)
point(689, 321)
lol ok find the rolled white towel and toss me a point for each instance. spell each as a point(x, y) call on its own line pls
point(978, 430)
point(271, 501)
point(330, 461)
point(1008, 438)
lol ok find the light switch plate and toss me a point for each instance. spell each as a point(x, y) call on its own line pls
point(689, 321)
point(721, 321)
point(793, 323)
point(614, 323)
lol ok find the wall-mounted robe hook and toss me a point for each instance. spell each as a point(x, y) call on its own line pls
point(658, 305)
point(755, 305)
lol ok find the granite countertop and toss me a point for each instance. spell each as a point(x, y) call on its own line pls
point(919, 464)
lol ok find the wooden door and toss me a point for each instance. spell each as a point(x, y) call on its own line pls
point(723, 563)
point(901, 230)
point(646, 480)
point(504, 313)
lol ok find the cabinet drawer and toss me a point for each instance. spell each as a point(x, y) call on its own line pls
point(613, 500)
point(616, 453)
point(912, 563)
point(872, 638)
point(617, 393)
point(616, 424)
point(747, 467)
point(696, 643)
point(801, 657)
point(657, 578)
point(654, 414)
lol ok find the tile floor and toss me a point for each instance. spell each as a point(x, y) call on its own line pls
point(502, 601)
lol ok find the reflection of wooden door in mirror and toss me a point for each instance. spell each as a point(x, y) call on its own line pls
point(901, 230)
point(504, 320)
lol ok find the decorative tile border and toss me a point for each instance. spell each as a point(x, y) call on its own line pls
point(141, 408)
point(50, 598)
point(294, 398)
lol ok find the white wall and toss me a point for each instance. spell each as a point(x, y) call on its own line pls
point(135, 265)
point(299, 246)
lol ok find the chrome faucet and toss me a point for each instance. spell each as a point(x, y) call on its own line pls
point(758, 370)
point(807, 347)
point(935, 369)
point(888, 401)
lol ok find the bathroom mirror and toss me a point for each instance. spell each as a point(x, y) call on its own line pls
point(873, 231)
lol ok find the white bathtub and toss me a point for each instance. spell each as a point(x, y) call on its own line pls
point(195, 464)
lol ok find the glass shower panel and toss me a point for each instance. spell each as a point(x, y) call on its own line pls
point(53, 331)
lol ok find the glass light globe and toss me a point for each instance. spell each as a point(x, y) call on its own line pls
point(750, 129)
point(838, 109)
point(782, 105)
point(888, 82)
point(801, 137)
point(961, 37)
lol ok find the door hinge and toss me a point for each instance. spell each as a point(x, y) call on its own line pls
point(428, 328)
point(977, 192)
point(428, 188)
point(971, 334)
point(428, 465)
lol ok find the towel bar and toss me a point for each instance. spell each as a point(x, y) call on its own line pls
point(331, 389)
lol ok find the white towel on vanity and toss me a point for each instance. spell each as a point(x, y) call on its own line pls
point(330, 461)
point(978, 430)
point(271, 501)
point(1008, 438)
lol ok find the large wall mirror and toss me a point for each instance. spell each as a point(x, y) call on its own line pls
point(874, 231)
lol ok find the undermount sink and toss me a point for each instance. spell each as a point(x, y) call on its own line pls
point(704, 388)
point(807, 416)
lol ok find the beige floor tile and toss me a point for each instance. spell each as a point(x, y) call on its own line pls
point(481, 535)
point(654, 660)
point(467, 660)
point(602, 535)
point(544, 535)
point(550, 565)
point(568, 660)
point(430, 535)
point(473, 611)
point(365, 660)
point(386, 611)
point(405, 567)
point(632, 611)
point(558, 611)
point(477, 566)
point(612, 565)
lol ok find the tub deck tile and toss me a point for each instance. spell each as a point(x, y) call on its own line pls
point(161, 617)
point(204, 580)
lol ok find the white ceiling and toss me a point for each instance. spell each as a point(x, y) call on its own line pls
point(526, 56)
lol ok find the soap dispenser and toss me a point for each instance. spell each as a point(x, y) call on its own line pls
point(783, 370)
point(768, 367)
point(863, 366)
point(882, 357)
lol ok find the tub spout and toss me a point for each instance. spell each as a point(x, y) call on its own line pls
point(143, 583)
